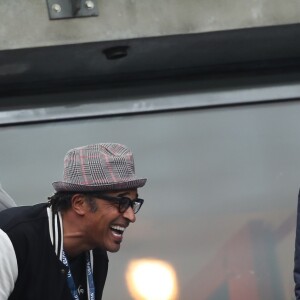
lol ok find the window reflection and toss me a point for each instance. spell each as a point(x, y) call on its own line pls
point(245, 267)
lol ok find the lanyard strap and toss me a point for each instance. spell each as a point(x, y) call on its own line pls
point(89, 275)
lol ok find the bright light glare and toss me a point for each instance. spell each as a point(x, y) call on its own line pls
point(151, 279)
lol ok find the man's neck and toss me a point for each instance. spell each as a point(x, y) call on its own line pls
point(73, 236)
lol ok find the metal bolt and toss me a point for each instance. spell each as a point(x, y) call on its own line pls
point(56, 7)
point(89, 4)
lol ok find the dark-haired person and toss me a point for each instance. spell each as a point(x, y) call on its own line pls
point(57, 250)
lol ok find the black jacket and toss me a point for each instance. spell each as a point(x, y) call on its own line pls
point(41, 274)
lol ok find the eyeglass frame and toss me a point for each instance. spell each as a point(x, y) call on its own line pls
point(129, 202)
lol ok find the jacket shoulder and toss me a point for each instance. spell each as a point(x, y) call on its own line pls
point(16, 216)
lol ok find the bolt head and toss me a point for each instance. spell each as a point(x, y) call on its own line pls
point(56, 7)
point(89, 4)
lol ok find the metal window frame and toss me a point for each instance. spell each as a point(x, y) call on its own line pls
point(92, 107)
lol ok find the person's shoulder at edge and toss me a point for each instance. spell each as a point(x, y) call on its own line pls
point(6, 200)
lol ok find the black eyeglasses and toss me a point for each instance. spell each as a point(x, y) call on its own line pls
point(123, 202)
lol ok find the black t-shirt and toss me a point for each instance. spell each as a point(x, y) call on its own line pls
point(78, 271)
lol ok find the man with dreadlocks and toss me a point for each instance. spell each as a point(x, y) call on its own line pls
point(58, 250)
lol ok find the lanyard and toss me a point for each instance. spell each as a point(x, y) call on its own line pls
point(89, 274)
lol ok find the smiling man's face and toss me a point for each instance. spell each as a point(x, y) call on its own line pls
point(105, 227)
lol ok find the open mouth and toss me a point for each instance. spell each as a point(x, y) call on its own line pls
point(117, 231)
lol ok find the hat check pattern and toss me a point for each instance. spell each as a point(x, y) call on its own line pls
point(99, 167)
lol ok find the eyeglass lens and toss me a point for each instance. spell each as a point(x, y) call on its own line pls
point(124, 202)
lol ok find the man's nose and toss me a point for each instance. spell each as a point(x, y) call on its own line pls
point(129, 214)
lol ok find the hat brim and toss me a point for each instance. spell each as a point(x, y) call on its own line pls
point(61, 186)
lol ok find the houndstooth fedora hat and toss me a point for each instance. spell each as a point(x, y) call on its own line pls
point(99, 167)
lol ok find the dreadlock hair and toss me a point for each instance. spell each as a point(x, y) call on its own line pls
point(61, 201)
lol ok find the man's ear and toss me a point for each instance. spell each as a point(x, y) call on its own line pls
point(79, 204)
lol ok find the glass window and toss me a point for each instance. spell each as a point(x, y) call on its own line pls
point(220, 201)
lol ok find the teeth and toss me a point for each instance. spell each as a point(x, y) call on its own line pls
point(117, 227)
